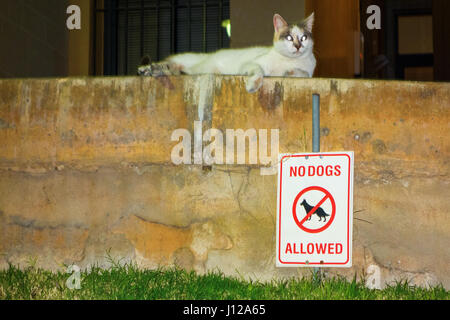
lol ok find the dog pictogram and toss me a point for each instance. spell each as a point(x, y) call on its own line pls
point(319, 212)
point(310, 210)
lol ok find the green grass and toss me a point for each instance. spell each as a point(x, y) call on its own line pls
point(128, 282)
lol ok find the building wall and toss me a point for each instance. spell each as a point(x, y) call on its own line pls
point(37, 43)
point(336, 36)
point(34, 38)
point(252, 20)
point(441, 27)
point(85, 167)
point(81, 41)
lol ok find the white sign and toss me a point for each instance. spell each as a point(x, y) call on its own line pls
point(315, 210)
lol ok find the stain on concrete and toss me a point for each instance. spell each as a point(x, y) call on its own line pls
point(157, 244)
point(379, 147)
point(334, 89)
point(39, 225)
point(427, 93)
point(180, 181)
point(165, 81)
point(365, 137)
point(184, 258)
point(387, 176)
point(6, 125)
point(50, 246)
point(379, 275)
point(324, 132)
point(270, 99)
point(68, 137)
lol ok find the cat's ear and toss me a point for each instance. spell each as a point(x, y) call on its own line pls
point(309, 23)
point(278, 22)
point(146, 60)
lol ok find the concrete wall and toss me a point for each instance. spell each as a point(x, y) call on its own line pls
point(85, 167)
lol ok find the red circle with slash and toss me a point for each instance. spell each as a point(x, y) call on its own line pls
point(327, 196)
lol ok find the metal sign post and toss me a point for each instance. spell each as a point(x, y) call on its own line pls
point(316, 148)
point(316, 123)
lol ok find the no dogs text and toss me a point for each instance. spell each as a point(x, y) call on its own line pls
point(311, 171)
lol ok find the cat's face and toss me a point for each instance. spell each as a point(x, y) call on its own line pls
point(293, 40)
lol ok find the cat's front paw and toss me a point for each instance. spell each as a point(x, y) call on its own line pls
point(155, 70)
point(253, 83)
point(145, 71)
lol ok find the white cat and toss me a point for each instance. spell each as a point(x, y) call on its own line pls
point(290, 56)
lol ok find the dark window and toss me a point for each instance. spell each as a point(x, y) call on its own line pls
point(414, 45)
point(158, 28)
point(404, 47)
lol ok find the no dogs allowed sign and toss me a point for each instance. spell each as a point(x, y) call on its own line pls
point(315, 210)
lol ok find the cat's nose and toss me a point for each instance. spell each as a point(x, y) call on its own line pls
point(298, 46)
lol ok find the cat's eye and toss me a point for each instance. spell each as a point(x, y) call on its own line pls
point(304, 38)
point(289, 38)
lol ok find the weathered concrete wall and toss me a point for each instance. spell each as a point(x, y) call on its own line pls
point(85, 167)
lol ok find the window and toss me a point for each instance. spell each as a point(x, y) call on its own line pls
point(405, 48)
point(414, 59)
point(131, 29)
